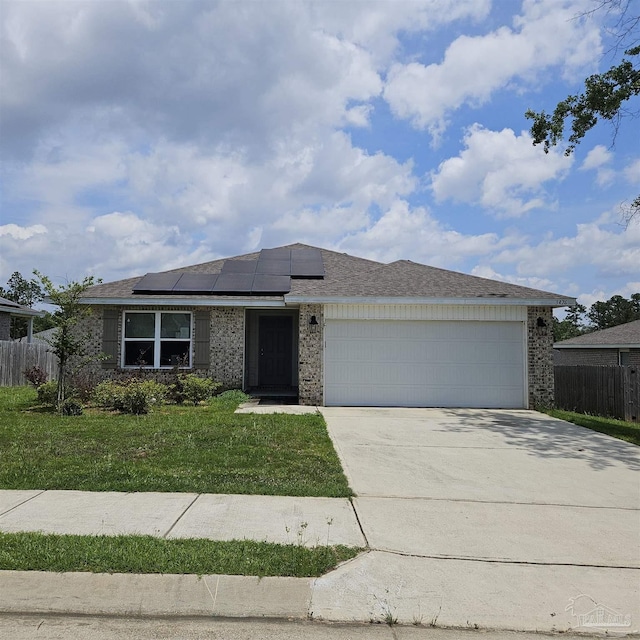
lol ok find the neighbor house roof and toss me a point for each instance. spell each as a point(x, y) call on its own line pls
point(346, 279)
point(15, 309)
point(624, 335)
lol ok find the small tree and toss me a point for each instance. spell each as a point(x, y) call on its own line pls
point(69, 342)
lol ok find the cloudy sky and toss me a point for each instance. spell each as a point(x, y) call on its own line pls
point(142, 135)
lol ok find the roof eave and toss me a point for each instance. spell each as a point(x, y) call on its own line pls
point(476, 301)
point(617, 345)
point(183, 302)
point(21, 313)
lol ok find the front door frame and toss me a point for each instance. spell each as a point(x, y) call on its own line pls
point(252, 382)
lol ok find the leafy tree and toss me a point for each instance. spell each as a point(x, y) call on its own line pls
point(572, 325)
point(606, 96)
point(24, 292)
point(617, 310)
point(70, 342)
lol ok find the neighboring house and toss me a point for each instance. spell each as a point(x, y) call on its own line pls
point(614, 346)
point(334, 329)
point(9, 308)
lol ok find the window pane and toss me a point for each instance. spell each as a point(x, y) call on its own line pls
point(138, 353)
point(139, 325)
point(624, 358)
point(175, 325)
point(174, 353)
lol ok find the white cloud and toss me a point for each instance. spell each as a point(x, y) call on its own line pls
point(500, 171)
point(547, 34)
point(632, 172)
point(598, 156)
point(21, 233)
point(611, 253)
point(485, 271)
point(404, 232)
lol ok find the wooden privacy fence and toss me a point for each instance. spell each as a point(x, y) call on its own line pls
point(604, 391)
point(15, 357)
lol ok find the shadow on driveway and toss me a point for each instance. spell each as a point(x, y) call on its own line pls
point(546, 437)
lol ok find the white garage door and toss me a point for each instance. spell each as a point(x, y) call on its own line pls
point(424, 363)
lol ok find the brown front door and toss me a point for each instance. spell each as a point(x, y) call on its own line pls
point(275, 338)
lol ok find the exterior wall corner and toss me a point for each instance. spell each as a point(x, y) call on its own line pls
point(310, 355)
point(540, 357)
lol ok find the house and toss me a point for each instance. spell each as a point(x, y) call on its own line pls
point(334, 329)
point(9, 309)
point(614, 346)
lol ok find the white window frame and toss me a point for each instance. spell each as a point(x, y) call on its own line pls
point(157, 339)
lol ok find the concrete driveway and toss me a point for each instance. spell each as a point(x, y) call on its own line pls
point(514, 504)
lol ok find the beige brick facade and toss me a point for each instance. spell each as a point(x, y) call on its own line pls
point(227, 346)
point(310, 350)
point(540, 357)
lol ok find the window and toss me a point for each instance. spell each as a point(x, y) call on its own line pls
point(156, 339)
point(623, 358)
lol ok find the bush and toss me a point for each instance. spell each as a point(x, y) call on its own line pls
point(71, 407)
point(36, 375)
point(82, 384)
point(193, 389)
point(48, 393)
point(108, 394)
point(133, 396)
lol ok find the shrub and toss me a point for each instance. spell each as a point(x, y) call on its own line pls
point(193, 389)
point(36, 375)
point(133, 396)
point(48, 393)
point(71, 407)
point(82, 384)
point(108, 394)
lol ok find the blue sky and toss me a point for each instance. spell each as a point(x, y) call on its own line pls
point(140, 136)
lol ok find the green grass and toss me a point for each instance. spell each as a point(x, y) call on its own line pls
point(628, 431)
point(146, 554)
point(204, 449)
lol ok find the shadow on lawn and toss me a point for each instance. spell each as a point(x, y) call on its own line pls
point(547, 437)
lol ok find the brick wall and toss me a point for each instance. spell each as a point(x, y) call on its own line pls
point(227, 346)
point(540, 357)
point(310, 356)
point(594, 357)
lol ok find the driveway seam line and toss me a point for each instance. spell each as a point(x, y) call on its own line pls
point(528, 504)
point(355, 513)
point(4, 513)
point(495, 561)
point(172, 527)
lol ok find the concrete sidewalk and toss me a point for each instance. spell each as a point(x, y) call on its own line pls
point(281, 519)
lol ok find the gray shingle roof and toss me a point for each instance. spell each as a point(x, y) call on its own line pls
point(348, 276)
point(623, 334)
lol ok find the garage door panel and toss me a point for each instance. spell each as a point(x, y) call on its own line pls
point(424, 363)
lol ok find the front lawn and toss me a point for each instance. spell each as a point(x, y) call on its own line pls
point(628, 431)
point(146, 554)
point(203, 449)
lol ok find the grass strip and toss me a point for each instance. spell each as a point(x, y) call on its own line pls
point(202, 449)
point(147, 554)
point(627, 431)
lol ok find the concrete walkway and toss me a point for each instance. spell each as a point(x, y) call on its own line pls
point(473, 519)
point(308, 521)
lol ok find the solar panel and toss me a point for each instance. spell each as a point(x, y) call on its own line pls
point(239, 266)
point(307, 269)
point(196, 283)
point(275, 254)
point(268, 283)
point(274, 267)
point(156, 282)
point(306, 255)
point(233, 283)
